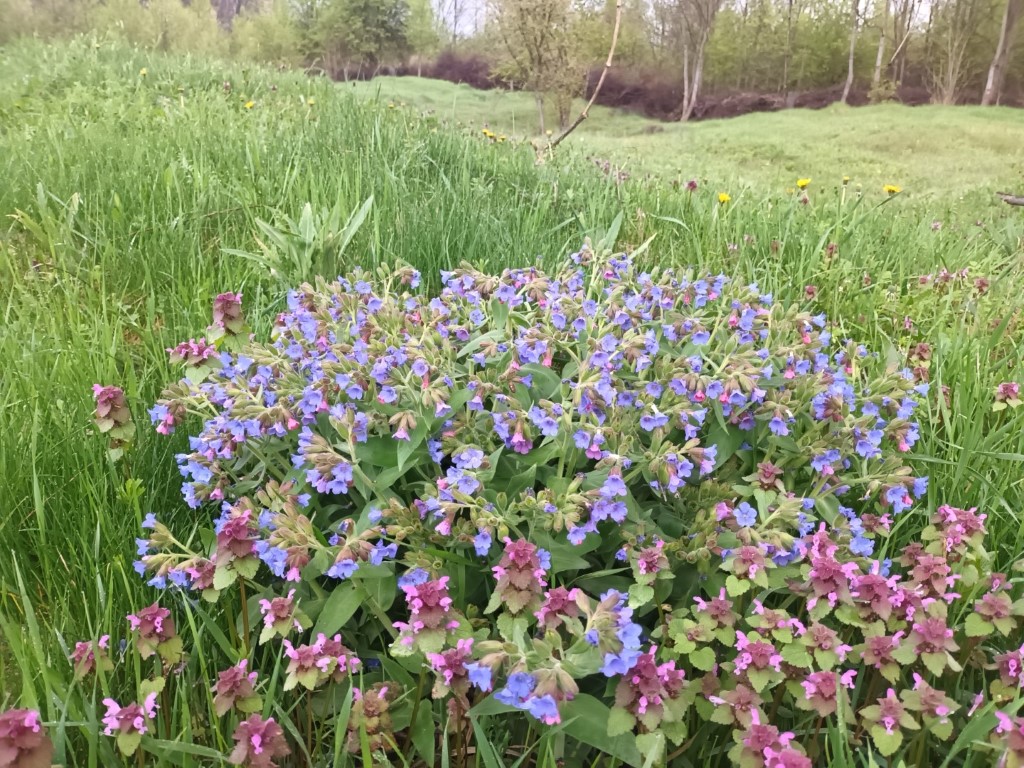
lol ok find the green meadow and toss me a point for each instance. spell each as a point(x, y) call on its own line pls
point(132, 190)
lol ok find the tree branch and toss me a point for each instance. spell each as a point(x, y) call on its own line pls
point(597, 89)
point(1009, 199)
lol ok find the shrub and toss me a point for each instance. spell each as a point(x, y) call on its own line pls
point(655, 512)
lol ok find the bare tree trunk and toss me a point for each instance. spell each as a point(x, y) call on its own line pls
point(789, 48)
point(997, 72)
point(853, 49)
point(876, 78)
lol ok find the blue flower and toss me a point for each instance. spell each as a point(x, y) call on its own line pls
point(517, 688)
point(544, 708)
point(343, 569)
point(482, 543)
point(479, 675)
point(413, 578)
point(620, 663)
point(745, 515)
point(382, 551)
point(149, 521)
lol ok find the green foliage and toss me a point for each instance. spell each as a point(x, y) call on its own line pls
point(167, 181)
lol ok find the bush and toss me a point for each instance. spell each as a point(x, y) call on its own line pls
point(654, 512)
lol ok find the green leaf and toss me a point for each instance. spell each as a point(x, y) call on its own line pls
point(887, 743)
point(736, 587)
point(620, 721)
point(704, 659)
point(423, 732)
point(246, 567)
point(128, 743)
point(545, 382)
point(652, 746)
point(727, 441)
point(976, 626)
point(797, 655)
point(223, 578)
point(406, 448)
point(343, 602)
point(640, 595)
point(586, 719)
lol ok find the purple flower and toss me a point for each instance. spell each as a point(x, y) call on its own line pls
point(343, 569)
point(382, 551)
point(544, 708)
point(413, 578)
point(479, 675)
point(745, 515)
point(482, 543)
point(517, 689)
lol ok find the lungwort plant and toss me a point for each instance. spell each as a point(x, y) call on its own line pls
point(655, 515)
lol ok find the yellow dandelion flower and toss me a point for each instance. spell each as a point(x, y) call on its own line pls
point(846, 180)
point(724, 197)
point(502, 138)
point(250, 104)
point(892, 189)
point(803, 183)
point(143, 72)
point(311, 101)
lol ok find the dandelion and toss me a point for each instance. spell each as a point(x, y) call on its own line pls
point(143, 72)
point(802, 183)
point(250, 104)
point(891, 189)
point(724, 197)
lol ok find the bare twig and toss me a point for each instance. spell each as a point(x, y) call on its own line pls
point(597, 89)
point(1009, 199)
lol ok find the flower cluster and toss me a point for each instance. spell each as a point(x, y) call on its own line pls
point(672, 494)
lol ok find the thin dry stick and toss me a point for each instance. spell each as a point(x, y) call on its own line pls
point(597, 89)
point(1009, 199)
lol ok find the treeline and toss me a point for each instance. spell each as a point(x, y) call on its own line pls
point(674, 58)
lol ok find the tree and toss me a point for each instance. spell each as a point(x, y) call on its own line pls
point(422, 32)
point(955, 28)
point(538, 38)
point(854, 22)
point(356, 33)
point(692, 22)
point(1000, 62)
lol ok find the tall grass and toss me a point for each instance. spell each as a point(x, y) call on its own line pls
point(126, 198)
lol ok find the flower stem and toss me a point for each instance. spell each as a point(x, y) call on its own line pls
point(245, 617)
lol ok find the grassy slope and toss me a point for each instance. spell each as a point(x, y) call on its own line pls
point(94, 287)
point(940, 152)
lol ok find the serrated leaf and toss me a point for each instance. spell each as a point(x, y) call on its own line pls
point(886, 743)
point(704, 659)
point(976, 626)
point(736, 587)
point(223, 578)
point(128, 743)
point(797, 655)
point(620, 721)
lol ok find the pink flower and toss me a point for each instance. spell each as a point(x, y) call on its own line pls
point(130, 719)
point(645, 689)
point(153, 626)
point(234, 688)
point(257, 743)
point(23, 742)
point(451, 665)
point(89, 654)
point(192, 353)
point(558, 603)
